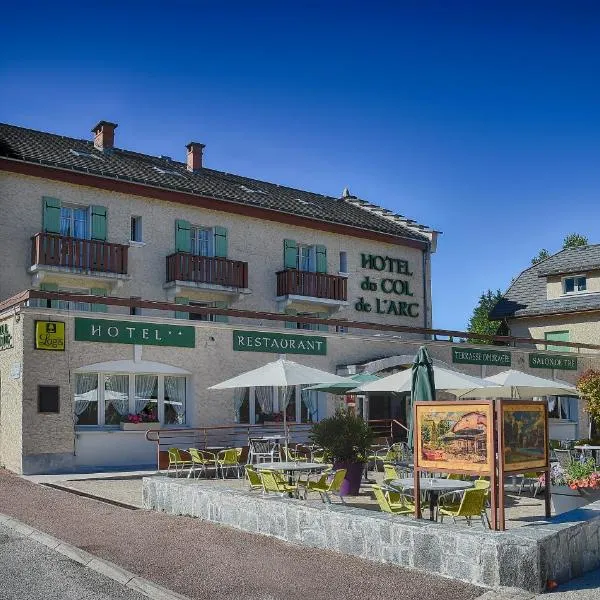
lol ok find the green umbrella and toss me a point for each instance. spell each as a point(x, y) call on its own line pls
point(342, 388)
point(423, 385)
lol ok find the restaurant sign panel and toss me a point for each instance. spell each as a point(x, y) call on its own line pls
point(547, 361)
point(279, 343)
point(473, 356)
point(134, 332)
point(50, 335)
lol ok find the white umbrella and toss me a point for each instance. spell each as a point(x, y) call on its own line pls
point(516, 384)
point(279, 373)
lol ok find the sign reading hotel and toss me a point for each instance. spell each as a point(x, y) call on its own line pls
point(474, 356)
point(394, 288)
point(547, 361)
point(280, 343)
point(6, 336)
point(50, 335)
point(130, 332)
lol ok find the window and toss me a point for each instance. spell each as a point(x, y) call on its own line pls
point(75, 222)
point(305, 258)
point(557, 336)
point(71, 305)
point(203, 316)
point(563, 408)
point(135, 310)
point(48, 399)
point(108, 398)
point(136, 229)
point(572, 285)
point(343, 262)
point(201, 241)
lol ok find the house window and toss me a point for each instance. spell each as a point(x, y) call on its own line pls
point(201, 241)
point(108, 398)
point(72, 305)
point(75, 222)
point(305, 258)
point(557, 336)
point(343, 262)
point(136, 229)
point(572, 285)
point(563, 408)
point(202, 316)
point(135, 310)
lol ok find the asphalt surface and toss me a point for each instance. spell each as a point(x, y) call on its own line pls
point(206, 561)
point(30, 571)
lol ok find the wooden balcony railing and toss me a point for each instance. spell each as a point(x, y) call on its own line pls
point(317, 285)
point(207, 269)
point(87, 255)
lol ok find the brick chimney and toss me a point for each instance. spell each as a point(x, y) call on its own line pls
point(104, 135)
point(194, 156)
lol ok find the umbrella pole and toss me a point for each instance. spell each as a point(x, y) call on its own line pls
point(285, 429)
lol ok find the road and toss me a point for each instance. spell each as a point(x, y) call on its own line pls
point(31, 571)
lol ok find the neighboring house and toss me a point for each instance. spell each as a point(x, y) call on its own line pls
point(557, 300)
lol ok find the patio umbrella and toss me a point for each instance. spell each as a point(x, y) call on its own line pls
point(279, 373)
point(346, 387)
point(422, 385)
point(516, 384)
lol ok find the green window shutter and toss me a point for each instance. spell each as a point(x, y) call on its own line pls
point(290, 252)
point(99, 292)
point(99, 223)
point(183, 240)
point(322, 327)
point(179, 314)
point(291, 324)
point(221, 318)
point(321, 254)
point(557, 336)
point(51, 214)
point(220, 241)
point(50, 287)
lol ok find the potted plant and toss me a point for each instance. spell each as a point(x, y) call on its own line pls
point(562, 497)
point(346, 440)
point(141, 421)
point(583, 477)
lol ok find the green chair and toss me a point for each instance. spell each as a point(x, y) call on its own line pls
point(325, 487)
point(203, 460)
point(228, 460)
point(254, 478)
point(321, 481)
point(178, 463)
point(472, 504)
point(292, 455)
point(390, 503)
point(389, 472)
point(270, 483)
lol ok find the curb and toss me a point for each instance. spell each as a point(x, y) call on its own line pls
point(99, 565)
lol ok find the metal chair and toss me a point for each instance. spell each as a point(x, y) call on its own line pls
point(564, 457)
point(262, 450)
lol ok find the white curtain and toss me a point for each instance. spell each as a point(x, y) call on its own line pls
point(264, 397)
point(117, 393)
point(311, 401)
point(239, 395)
point(285, 396)
point(86, 391)
point(146, 390)
point(175, 392)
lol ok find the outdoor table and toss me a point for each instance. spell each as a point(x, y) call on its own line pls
point(433, 485)
point(293, 468)
point(585, 447)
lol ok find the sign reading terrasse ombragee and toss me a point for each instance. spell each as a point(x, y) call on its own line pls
point(134, 332)
point(473, 356)
point(547, 361)
point(281, 343)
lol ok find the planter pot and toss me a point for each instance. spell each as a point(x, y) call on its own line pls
point(351, 483)
point(590, 494)
point(138, 426)
point(563, 499)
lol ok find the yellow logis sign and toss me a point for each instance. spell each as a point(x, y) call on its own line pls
point(49, 335)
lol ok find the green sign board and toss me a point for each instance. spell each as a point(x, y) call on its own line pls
point(280, 343)
point(473, 356)
point(134, 332)
point(547, 361)
point(6, 336)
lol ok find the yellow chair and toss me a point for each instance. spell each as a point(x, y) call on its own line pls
point(389, 473)
point(178, 463)
point(254, 478)
point(203, 460)
point(472, 504)
point(292, 455)
point(270, 483)
point(324, 488)
point(389, 504)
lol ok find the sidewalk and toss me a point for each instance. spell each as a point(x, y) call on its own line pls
point(202, 560)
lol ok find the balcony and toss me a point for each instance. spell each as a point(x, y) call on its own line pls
point(318, 288)
point(51, 252)
point(207, 273)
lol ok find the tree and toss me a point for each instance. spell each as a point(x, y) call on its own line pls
point(480, 321)
point(543, 254)
point(574, 240)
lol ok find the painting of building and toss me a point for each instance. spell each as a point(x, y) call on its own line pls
point(524, 433)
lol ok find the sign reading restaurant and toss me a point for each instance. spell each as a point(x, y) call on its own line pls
point(547, 361)
point(473, 356)
point(130, 332)
point(280, 343)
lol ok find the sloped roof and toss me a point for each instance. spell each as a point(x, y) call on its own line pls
point(527, 296)
point(80, 155)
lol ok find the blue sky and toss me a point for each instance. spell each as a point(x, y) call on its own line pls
point(480, 119)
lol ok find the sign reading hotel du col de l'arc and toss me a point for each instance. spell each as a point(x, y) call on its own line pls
point(129, 332)
point(394, 288)
point(279, 343)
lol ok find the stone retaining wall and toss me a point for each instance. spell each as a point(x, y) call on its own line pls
point(526, 557)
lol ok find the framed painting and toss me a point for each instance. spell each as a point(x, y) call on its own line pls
point(454, 436)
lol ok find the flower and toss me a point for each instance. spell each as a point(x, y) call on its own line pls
point(149, 416)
